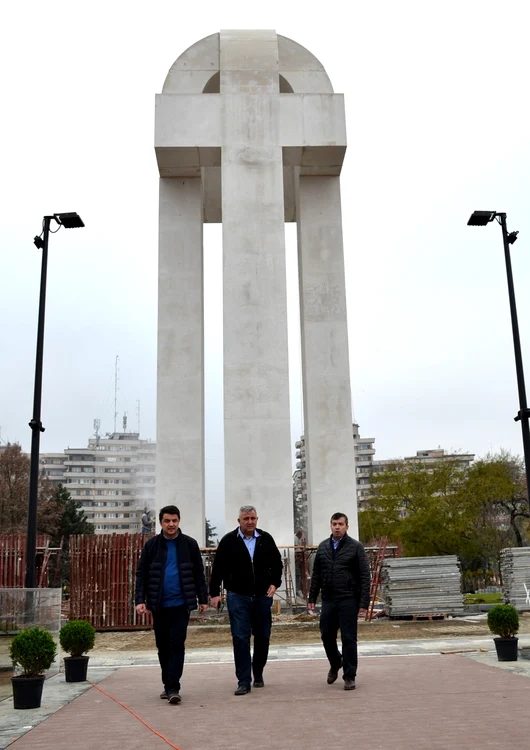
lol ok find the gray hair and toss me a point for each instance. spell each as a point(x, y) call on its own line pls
point(247, 509)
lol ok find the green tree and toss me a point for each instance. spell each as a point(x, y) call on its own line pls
point(210, 535)
point(498, 481)
point(425, 508)
point(60, 517)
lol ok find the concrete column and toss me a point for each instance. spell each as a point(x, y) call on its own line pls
point(330, 464)
point(180, 398)
point(256, 378)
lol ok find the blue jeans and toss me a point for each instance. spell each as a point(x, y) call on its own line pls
point(343, 614)
point(249, 615)
point(170, 626)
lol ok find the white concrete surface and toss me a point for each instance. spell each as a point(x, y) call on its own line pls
point(328, 434)
point(180, 395)
point(244, 115)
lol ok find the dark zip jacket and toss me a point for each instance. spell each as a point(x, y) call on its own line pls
point(341, 573)
point(234, 568)
point(152, 565)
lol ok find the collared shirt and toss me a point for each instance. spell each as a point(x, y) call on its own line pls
point(336, 542)
point(250, 543)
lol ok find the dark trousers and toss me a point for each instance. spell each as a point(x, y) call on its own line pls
point(335, 614)
point(171, 625)
point(249, 615)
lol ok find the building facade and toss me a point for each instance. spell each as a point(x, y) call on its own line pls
point(113, 478)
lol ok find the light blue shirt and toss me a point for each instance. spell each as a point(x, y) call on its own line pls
point(250, 543)
point(336, 542)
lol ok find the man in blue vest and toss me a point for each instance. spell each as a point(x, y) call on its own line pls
point(169, 580)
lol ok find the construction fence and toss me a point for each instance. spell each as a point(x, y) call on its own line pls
point(103, 574)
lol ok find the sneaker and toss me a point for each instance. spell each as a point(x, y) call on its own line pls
point(163, 695)
point(174, 697)
point(242, 690)
point(349, 684)
point(333, 674)
point(258, 682)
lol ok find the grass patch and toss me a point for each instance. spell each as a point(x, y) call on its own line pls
point(483, 598)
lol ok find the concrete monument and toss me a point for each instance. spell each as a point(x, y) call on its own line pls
point(249, 133)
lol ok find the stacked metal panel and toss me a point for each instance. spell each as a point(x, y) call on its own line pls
point(422, 585)
point(515, 570)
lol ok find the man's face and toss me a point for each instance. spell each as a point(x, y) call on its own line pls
point(248, 522)
point(339, 527)
point(170, 525)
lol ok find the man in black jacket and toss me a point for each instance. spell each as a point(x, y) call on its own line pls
point(249, 565)
point(169, 579)
point(341, 572)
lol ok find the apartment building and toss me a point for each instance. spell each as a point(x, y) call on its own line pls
point(363, 455)
point(113, 478)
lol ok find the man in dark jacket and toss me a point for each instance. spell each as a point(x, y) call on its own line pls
point(341, 572)
point(249, 565)
point(169, 579)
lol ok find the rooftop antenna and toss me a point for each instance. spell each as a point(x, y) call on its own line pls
point(116, 371)
point(125, 422)
point(97, 424)
point(138, 416)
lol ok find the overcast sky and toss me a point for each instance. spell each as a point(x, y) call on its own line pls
point(438, 125)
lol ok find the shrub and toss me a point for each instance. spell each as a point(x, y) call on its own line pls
point(77, 637)
point(34, 650)
point(503, 620)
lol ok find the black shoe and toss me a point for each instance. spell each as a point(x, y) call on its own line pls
point(258, 682)
point(333, 674)
point(173, 697)
point(163, 695)
point(349, 684)
point(242, 690)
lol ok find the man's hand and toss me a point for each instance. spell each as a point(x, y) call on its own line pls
point(271, 590)
point(141, 609)
point(215, 601)
point(202, 608)
point(311, 605)
point(362, 612)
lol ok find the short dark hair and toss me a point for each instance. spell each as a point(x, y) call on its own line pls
point(171, 510)
point(336, 516)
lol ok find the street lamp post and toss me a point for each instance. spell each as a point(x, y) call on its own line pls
point(69, 221)
point(479, 219)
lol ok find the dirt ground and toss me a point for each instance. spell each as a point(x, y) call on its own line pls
point(215, 632)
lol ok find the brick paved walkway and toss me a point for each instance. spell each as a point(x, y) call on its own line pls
point(427, 702)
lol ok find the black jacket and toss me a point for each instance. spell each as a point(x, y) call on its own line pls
point(151, 568)
point(341, 573)
point(234, 567)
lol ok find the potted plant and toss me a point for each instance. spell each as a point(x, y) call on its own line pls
point(503, 621)
point(76, 638)
point(34, 651)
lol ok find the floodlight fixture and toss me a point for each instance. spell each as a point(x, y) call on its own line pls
point(70, 220)
point(481, 218)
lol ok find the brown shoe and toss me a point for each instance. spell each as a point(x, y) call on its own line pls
point(333, 674)
point(349, 684)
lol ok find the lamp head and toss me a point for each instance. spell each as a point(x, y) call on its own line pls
point(39, 242)
point(70, 220)
point(481, 218)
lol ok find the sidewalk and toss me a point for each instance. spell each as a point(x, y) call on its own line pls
point(429, 701)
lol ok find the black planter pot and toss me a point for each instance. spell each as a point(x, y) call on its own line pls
point(75, 668)
point(506, 648)
point(27, 691)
